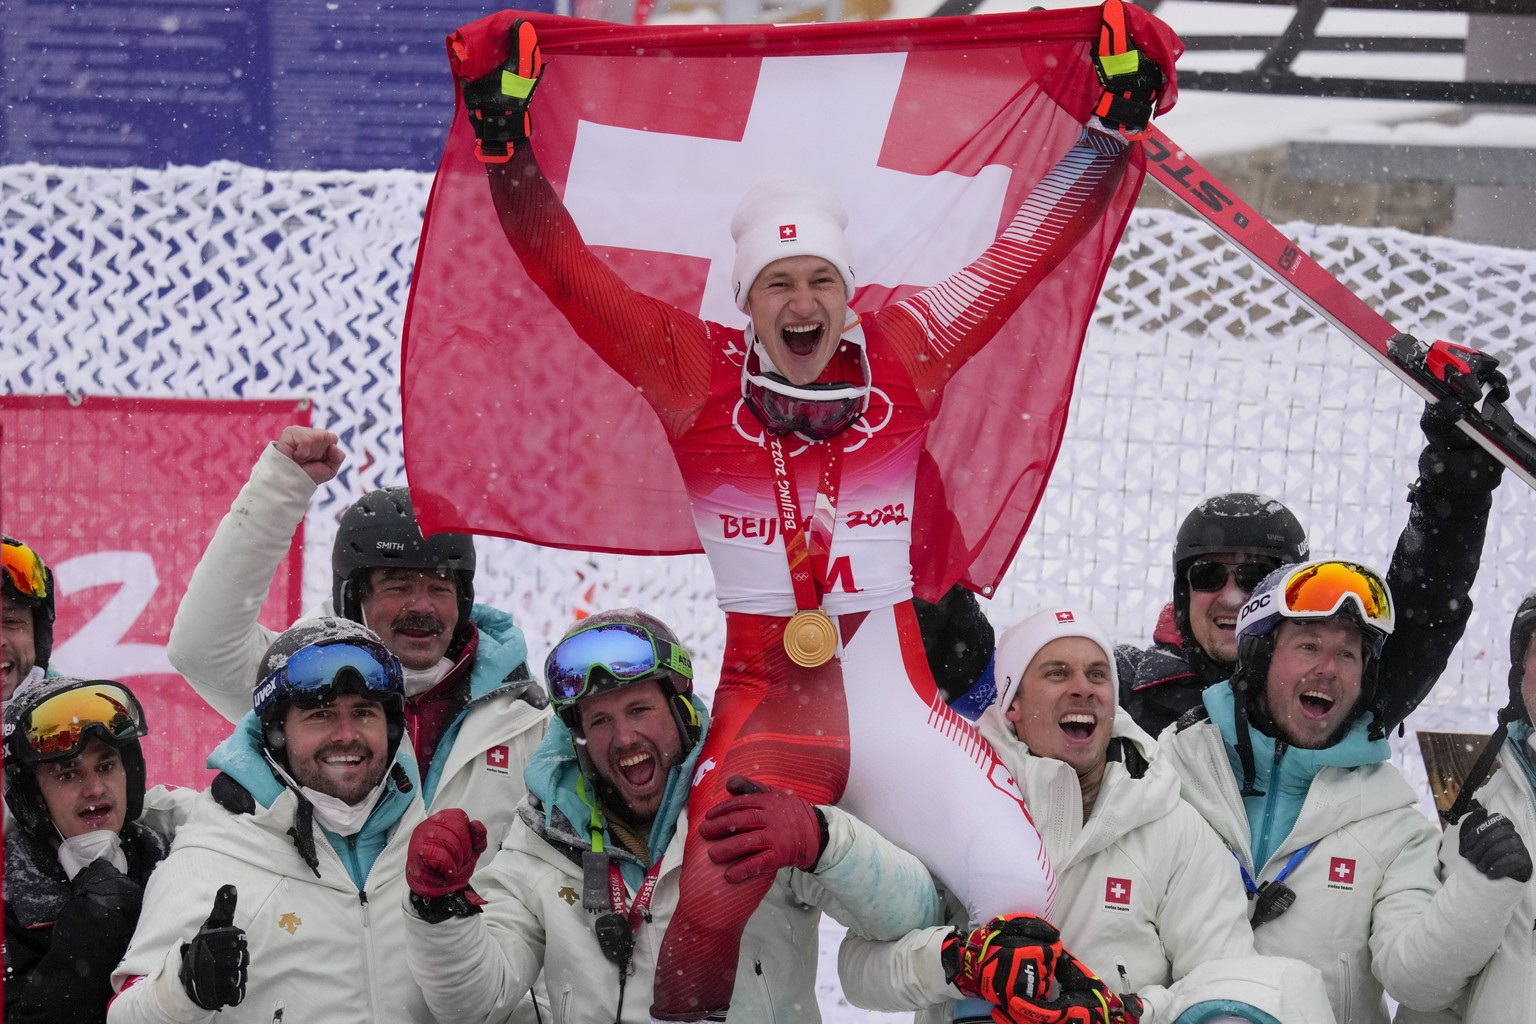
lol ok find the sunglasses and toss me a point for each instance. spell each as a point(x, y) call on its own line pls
point(25, 570)
point(60, 726)
point(625, 651)
point(1207, 576)
point(310, 675)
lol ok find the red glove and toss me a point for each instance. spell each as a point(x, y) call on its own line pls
point(1010, 956)
point(443, 852)
point(1081, 998)
point(760, 830)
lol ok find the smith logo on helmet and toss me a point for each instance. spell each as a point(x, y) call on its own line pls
point(390, 545)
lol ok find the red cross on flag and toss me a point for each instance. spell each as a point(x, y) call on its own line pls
point(1117, 890)
point(930, 130)
point(1341, 870)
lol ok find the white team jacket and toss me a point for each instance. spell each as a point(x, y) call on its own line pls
point(474, 969)
point(1508, 981)
point(320, 949)
point(1370, 912)
point(1134, 885)
point(217, 644)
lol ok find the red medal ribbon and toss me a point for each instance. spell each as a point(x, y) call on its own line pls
point(807, 543)
point(640, 910)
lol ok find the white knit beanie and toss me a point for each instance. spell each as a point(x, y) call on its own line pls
point(788, 217)
point(1019, 644)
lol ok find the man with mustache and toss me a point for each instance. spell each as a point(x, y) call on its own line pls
point(587, 883)
point(1338, 861)
point(473, 711)
point(298, 847)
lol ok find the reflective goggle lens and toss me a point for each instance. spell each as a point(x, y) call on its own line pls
point(310, 673)
point(57, 727)
point(623, 650)
point(1323, 588)
point(25, 570)
point(817, 419)
point(1207, 576)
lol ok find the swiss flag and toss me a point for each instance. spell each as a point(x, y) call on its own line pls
point(788, 233)
point(498, 759)
point(1065, 617)
point(1341, 870)
point(931, 131)
point(1117, 890)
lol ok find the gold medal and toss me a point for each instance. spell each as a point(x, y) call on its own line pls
point(810, 638)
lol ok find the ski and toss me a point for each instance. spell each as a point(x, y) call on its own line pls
point(1437, 371)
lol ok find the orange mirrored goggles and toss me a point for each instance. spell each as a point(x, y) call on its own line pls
point(25, 570)
point(1321, 588)
point(61, 724)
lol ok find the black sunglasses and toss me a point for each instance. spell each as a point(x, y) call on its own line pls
point(1209, 576)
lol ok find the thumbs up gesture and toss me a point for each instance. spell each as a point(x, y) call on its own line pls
point(213, 964)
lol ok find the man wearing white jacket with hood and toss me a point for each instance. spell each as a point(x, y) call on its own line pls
point(1328, 836)
point(586, 884)
point(299, 848)
point(1134, 863)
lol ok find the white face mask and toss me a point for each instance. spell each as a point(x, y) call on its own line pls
point(332, 813)
point(419, 680)
point(98, 844)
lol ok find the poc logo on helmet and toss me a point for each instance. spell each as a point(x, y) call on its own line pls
point(1252, 608)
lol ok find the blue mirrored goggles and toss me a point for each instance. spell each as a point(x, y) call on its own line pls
point(311, 674)
point(625, 651)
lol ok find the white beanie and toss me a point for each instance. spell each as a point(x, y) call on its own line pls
point(1020, 643)
point(788, 217)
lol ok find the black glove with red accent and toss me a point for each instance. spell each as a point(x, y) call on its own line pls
point(1009, 957)
point(497, 103)
point(760, 830)
point(1081, 998)
point(1134, 60)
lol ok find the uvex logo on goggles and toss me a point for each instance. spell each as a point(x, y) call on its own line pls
point(59, 726)
point(24, 569)
point(624, 650)
point(310, 673)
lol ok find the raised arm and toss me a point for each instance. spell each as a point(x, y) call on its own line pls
point(661, 350)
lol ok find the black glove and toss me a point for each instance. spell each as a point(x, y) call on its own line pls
point(1452, 461)
point(1491, 844)
point(1132, 81)
point(497, 104)
point(106, 892)
point(214, 963)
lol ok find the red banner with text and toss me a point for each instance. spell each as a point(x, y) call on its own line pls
point(119, 496)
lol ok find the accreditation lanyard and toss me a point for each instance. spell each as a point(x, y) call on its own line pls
point(1253, 887)
point(807, 544)
point(640, 910)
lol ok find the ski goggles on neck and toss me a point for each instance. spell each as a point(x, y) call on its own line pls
point(24, 570)
point(816, 411)
point(62, 724)
point(1322, 588)
point(316, 674)
point(1207, 576)
point(623, 650)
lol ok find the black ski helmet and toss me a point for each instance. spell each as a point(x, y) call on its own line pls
point(274, 694)
point(676, 684)
point(24, 592)
point(1521, 629)
point(1256, 625)
point(120, 725)
point(1238, 522)
point(379, 531)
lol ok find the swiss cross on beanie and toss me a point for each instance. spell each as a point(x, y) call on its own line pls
point(1019, 644)
point(788, 217)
